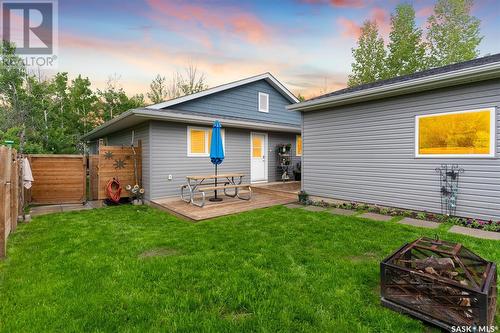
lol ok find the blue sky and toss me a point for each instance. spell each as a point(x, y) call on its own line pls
point(304, 43)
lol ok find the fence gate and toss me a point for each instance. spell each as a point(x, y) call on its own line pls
point(58, 179)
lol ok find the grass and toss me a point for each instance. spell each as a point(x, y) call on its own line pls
point(138, 269)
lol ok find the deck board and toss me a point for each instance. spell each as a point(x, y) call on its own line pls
point(260, 199)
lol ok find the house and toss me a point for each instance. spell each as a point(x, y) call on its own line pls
point(381, 143)
point(175, 134)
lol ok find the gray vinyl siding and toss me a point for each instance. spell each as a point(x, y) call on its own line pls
point(242, 102)
point(141, 132)
point(169, 144)
point(365, 152)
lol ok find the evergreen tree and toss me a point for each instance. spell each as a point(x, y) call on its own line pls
point(406, 51)
point(369, 56)
point(453, 34)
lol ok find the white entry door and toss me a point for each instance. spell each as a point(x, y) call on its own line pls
point(258, 152)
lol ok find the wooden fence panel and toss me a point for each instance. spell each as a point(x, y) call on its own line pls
point(58, 179)
point(93, 179)
point(118, 162)
point(8, 198)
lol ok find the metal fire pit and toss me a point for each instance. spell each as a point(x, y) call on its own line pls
point(440, 282)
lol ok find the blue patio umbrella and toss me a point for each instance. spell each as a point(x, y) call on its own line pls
point(216, 152)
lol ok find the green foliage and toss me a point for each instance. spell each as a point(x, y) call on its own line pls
point(454, 34)
point(158, 90)
point(406, 51)
point(50, 115)
point(369, 56)
point(137, 269)
point(113, 100)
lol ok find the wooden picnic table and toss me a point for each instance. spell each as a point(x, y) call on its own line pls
point(199, 184)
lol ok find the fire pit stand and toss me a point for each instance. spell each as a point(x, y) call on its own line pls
point(440, 282)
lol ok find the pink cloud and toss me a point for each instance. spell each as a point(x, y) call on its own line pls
point(425, 11)
point(348, 3)
point(231, 21)
point(350, 29)
point(383, 20)
point(339, 3)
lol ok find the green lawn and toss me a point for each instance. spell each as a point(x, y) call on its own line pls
point(139, 269)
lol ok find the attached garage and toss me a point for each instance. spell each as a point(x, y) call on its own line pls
point(383, 143)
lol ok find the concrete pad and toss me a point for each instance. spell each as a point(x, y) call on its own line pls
point(345, 212)
point(419, 223)
point(314, 208)
point(375, 216)
point(475, 232)
point(294, 206)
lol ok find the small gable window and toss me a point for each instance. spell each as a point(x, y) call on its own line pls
point(263, 102)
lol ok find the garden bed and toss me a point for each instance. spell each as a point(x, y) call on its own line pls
point(487, 225)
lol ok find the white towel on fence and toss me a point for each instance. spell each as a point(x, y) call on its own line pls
point(27, 174)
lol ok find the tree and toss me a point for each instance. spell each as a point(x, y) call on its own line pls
point(192, 81)
point(114, 101)
point(83, 102)
point(369, 56)
point(158, 90)
point(406, 51)
point(453, 33)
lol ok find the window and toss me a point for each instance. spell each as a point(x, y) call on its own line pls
point(298, 145)
point(257, 144)
point(263, 102)
point(456, 134)
point(198, 141)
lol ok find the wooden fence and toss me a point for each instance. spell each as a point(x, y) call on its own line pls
point(122, 162)
point(9, 194)
point(58, 179)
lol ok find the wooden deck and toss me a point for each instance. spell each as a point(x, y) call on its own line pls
point(261, 198)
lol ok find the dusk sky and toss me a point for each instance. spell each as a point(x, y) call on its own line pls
point(306, 44)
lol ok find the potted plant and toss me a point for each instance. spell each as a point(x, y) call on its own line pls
point(303, 197)
point(136, 194)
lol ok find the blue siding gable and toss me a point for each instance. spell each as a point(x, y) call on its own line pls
point(243, 102)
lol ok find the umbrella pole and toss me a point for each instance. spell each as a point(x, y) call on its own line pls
point(216, 181)
point(215, 198)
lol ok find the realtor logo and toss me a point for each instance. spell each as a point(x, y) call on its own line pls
point(32, 27)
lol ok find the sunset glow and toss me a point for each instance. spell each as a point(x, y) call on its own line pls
point(305, 43)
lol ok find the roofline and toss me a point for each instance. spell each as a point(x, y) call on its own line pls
point(461, 76)
point(265, 76)
point(90, 135)
point(164, 115)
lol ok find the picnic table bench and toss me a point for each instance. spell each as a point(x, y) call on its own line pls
point(206, 183)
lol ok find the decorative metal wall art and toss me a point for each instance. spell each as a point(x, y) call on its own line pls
point(449, 175)
point(119, 164)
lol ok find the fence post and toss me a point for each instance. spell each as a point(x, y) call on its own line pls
point(14, 189)
point(4, 159)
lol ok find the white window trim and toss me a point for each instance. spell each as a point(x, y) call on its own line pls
point(207, 145)
point(296, 146)
point(493, 135)
point(267, 105)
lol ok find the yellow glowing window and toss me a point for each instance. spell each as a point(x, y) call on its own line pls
point(462, 134)
point(257, 144)
point(199, 140)
point(298, 145)
point(198, 143)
